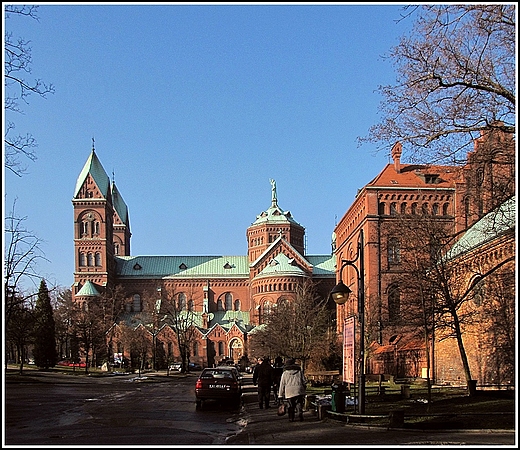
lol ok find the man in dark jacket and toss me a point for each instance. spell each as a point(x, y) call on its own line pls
point(263, 376)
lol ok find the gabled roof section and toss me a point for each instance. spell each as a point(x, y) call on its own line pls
point(120, 205)
point(416, 176)
point(94, 168)
point(281, 265)
point(282, 243)
point(88, 290)
point(182, 266)
point(491, 226)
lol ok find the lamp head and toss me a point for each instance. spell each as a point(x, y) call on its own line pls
point(340, 293)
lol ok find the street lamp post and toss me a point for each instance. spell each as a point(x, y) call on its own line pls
point(340, 294)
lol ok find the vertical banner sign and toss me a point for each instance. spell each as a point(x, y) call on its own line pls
point(348, 350)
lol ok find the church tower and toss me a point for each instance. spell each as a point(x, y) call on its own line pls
point(101, 227)
point(271, 224)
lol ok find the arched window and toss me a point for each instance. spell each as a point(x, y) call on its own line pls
point(219, 305)
point(424, 209)
point(403, 208)
point(393, 209)
point(435, 209)
point(182, 301)
point(414, 208)
point(82, 259)
point(445, 209)
point(116, 248)
point(237, 305)
point(84, 228)
point(98, 259)
point(381, 209)
point(221, 348)
point(90, 259)
point(394, 251)
point(394, 303)
point(229, 302)
point(195, 348)
point(191, 306)
point(136, 305)
point(96, 227)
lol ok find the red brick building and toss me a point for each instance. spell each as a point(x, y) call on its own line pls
point(456, 197)
point(227, 296)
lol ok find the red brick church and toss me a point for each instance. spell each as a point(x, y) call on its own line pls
point(228, 295)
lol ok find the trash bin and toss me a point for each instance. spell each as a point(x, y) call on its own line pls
point(338, 398)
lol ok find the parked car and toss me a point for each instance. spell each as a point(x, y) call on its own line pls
point(68, 363)
point(177, 367)
point(194, 366)
point(219, 384)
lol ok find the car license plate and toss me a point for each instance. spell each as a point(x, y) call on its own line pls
point(218, 386)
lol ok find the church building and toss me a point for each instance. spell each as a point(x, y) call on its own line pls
point(227, 296)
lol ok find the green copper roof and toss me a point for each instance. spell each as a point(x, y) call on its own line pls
point(183, 266)
point(95, 169)
point(491, 226)
point(88, 290)
point(120, 205)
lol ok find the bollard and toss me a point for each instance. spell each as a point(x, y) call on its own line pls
point(396, 418)
point(405, 390)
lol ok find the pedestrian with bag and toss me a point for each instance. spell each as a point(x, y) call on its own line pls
point(293, 388)
point(263, 376)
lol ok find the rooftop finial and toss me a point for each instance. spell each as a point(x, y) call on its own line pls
point(93, 148)
point(273, 190)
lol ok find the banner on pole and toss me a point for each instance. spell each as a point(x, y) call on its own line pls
point(348, 350)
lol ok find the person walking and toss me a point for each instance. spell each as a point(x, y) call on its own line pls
point(293, 388)
point(263, 376)
point(277, 375)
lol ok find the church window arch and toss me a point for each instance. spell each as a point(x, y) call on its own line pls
point(90, 259)
point(221, 350)
point(394, 251)
point(229, 301)
point(136, 303)
point(182, 301)
point(97, 259)
point(82, 259)
point(237, 305)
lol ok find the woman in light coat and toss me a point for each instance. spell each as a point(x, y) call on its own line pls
point(293, 388)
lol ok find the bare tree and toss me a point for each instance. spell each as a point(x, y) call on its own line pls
point(22, 252)
point(178, 311)
point(456, 76)
point(17, 88)
point(297, 328)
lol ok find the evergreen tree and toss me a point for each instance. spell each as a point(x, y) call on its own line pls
point(44, 352)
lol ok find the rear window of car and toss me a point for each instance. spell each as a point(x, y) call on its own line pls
point(216, 373)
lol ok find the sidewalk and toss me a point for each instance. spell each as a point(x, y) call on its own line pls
point(265, 427)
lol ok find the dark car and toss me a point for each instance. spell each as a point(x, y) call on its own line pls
point(194, 366)
point(221, 384)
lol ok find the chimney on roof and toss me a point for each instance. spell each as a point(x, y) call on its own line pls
point(397, 149)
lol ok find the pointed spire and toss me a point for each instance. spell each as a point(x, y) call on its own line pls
point(93, 146)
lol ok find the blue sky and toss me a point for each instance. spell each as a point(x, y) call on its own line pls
point(194, 108)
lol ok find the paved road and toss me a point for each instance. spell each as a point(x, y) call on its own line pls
point(53, 409)
point(56, 410)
